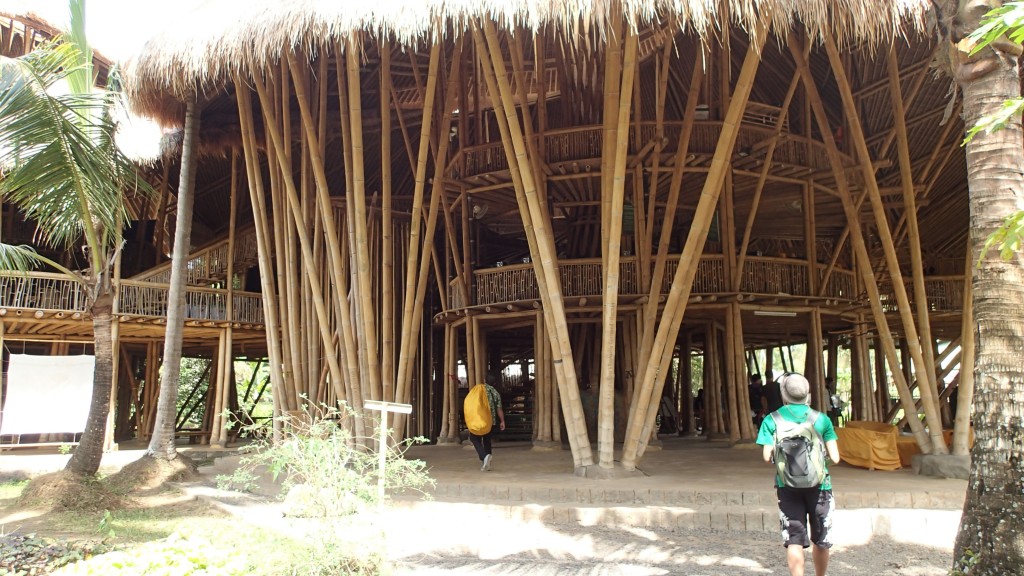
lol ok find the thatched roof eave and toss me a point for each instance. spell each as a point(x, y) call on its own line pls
point(197, 57)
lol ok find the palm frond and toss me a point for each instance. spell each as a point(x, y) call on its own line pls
point(19, 258)
point(60, 165)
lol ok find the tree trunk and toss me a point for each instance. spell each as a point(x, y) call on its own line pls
point(86, 459)
point(161, 445)
point(992, 527)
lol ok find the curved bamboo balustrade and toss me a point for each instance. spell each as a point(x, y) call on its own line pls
point(208, 263)
point(49, 293)
point(584, 143)
point(766, 276)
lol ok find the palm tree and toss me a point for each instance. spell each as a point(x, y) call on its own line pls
point(992, 523)
point(62, 170)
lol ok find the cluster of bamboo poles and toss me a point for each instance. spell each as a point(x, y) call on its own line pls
point(343, 314)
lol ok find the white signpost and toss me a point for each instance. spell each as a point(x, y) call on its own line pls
point(382, 446)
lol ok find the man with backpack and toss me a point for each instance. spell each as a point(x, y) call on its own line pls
point(481, 409)
point(797, 439)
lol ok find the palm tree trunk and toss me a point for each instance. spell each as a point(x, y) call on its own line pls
point(992, 526)
point(86, 459)
point(161, 445)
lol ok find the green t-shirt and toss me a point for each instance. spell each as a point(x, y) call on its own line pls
point(494, 399)
point(798, 413)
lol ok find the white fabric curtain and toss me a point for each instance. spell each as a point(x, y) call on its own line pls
point(47, 394)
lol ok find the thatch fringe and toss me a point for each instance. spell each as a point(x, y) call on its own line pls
point(195, 58)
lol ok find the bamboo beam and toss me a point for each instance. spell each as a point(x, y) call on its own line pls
point(928, 390)
point(860, 249)
point(641, 417)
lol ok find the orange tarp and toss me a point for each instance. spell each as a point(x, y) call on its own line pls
point(907, 445)
point(869, 445)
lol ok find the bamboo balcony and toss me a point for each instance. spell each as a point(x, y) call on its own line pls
point(778, 278)
point(46, 295)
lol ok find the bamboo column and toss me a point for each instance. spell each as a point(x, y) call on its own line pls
point(263, 247)
point(925, 375)
point(357, 198)
point(642, 415)
point(615, 192)
point(860, 249)
point(541, 242)
point(913, 234)
point(815, 370)
point(686, 387)
point(965, 391)
point(735, 376)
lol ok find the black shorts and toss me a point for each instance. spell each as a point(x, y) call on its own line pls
point(799, 507)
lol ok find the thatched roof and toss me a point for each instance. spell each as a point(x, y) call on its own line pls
point(197, 55)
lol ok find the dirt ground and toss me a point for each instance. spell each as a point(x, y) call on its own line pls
point(424, 541)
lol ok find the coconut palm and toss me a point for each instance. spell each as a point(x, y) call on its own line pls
point(992, 524)
point(62, 170)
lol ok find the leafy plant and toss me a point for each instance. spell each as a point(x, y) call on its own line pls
point(328, 470)
point(965, 564)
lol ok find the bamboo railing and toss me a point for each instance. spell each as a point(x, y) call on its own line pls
point(205, 304)
point(41, 291)
point(584, 143)
point(762, 275)
point(209, 263)
point(48, 292)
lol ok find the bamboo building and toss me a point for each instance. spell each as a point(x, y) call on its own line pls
point(578, 196)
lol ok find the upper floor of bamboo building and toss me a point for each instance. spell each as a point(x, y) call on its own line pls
point(583, 187)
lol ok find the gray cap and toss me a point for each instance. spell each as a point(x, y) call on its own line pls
point(795, 389)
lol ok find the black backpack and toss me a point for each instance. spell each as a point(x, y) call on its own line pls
point(799, 451)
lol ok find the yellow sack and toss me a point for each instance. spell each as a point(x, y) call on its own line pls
point(477, 410)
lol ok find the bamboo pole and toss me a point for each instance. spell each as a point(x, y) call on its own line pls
point(405, 370)
point(541, 246)
point(216, 393)
point(263, 251)
point(924, 375)
point(617, 183)
point(357, 197)
point(965, 390)
point(910, 217)
point(329, 228)
point(413, 254)
point(762, 179)
point(641, 417)
point(860, 249)
point(667, 225)
point(734, 373)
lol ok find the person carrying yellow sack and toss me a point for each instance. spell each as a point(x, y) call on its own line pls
point(481, 408)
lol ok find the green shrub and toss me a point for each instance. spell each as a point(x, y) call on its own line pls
point(325, 470)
